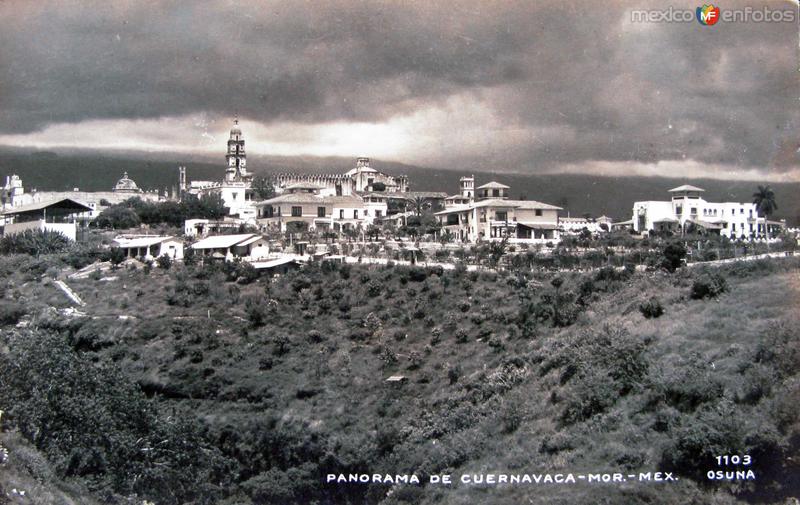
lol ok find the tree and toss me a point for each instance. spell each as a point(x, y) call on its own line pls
point(419, 203)
point(118, 217)
point(116, 257)
point(373, 232)
point(764, 199)
point(497, 250)
point(673, 255)
point(263, 187)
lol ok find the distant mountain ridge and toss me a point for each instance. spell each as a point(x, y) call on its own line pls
point(576, 193)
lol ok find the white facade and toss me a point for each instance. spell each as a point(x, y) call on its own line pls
point(302, 205)
point(203, 227)
point(576, 225)
point(375, 207)
point(69, 230)
point(687, 208)
point(246, 246)
point(149, 247)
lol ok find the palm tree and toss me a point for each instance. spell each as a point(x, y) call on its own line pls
point(419, 204)
point(764, 200)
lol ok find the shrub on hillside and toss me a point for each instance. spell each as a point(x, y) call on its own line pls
point(11, 312)
point(96, 425)
point(651, 308)
point(708, 285)
point(80, 256)
point(246, 273)
point(779, 348)
point(688, 384)
point(592, 392)
point(717, 429)
point(257, 311)
point(600, 366)
point(164, 262)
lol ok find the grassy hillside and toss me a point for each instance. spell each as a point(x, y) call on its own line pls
point(283, 382)
point(578, 194)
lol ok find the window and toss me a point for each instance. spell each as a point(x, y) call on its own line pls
point(733, 226)
point(297, 211)
point(341, 213)
point(679, 209)
point(320, 211)
point(501, 216)
point(355, 214)
point(538, 212)
point(378, 213)
point(693, 211)
point(366, 212)
point(495, 192)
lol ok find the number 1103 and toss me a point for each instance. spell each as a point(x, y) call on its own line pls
point(733, 460)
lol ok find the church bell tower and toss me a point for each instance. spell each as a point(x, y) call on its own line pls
point(236, 170)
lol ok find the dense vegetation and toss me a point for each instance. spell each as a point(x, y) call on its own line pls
point(250, 390)
point(135, 211)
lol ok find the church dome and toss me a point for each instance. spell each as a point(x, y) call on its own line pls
point(126, 184)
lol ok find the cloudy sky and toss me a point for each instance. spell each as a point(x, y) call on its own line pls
point(498, 86)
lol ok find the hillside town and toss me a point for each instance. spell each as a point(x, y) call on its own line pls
point(318, 213)
point(399, 253)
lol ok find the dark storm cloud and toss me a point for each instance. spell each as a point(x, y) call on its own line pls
point(619, 91)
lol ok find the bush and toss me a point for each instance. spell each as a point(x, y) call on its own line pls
point(11, 312)
point(96, 425)
point(453, 373)
point(708, 285)
point(673, 256)
point(652, 308)
point(592, 393)
point(34, 242)
point(257, 311)
point(164, 262)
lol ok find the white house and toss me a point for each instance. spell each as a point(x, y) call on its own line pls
point(576, 225)
point(302, 206)
point(59, 215)
point(687, 209)
point(493, 219)
point(246, 246)
point(203, 227)
point(149, 246)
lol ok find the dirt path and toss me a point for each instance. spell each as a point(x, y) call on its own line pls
point(72, 295)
